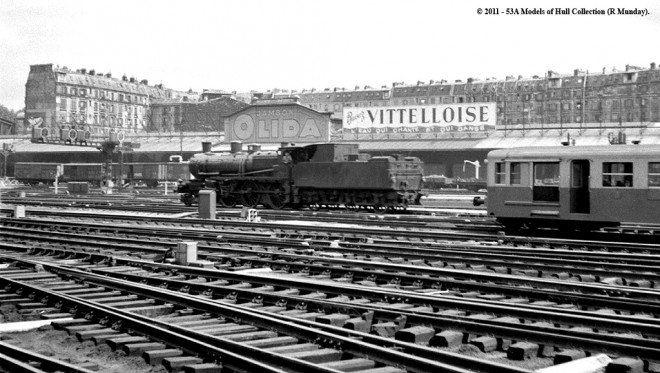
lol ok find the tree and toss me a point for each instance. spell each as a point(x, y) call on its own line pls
point(7, 114)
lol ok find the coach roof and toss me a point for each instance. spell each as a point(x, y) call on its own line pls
point(578, 152)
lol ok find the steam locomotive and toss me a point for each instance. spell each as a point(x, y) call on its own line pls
point(318, 175)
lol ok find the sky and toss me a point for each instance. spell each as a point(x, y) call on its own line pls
point(243, 45)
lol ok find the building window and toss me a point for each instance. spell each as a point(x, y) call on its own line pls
point(500, 173)
point(73, 91)
point(618, 174)
point(654, 174)
point(514, 173)
point(546, 181)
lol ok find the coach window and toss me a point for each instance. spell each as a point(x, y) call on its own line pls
point(514, 173)
point(500, 173)
point(654, 174)
point(618, 174)
point(546, 181)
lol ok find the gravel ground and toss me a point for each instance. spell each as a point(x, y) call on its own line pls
point(58, 344)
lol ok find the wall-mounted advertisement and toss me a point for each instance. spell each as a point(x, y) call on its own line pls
point(449, 118)
point(273, 124)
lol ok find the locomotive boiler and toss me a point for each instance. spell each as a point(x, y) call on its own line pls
point(318, 175)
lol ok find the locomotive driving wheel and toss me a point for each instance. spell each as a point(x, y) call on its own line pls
point(227, 201)
point(276, 199)
point(251, 194)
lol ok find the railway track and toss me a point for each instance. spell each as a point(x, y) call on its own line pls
point(413, 284)
point(422, 318)
point(462, 219)
point(198, 334)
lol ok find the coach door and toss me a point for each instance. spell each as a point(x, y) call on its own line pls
point(580, 187)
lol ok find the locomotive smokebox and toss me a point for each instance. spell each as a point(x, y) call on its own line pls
point(206, 147)
point(236, 147)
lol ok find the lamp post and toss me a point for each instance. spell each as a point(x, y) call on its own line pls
point(181, 138)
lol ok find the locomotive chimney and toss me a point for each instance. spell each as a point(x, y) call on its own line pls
point(236, 147)
point(206, 147)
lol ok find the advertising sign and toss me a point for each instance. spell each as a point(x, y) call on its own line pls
point(472, 117)
point(264, 124)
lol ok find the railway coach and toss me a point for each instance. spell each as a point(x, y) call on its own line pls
point(574, 187)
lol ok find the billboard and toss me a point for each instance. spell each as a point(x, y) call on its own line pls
point(272, 124)
point(472, 117)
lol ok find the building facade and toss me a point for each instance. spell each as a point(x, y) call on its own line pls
point(578, 101)
point(207, 115)
point(60, 98)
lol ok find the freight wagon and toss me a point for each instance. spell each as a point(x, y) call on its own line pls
point(149, 174)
